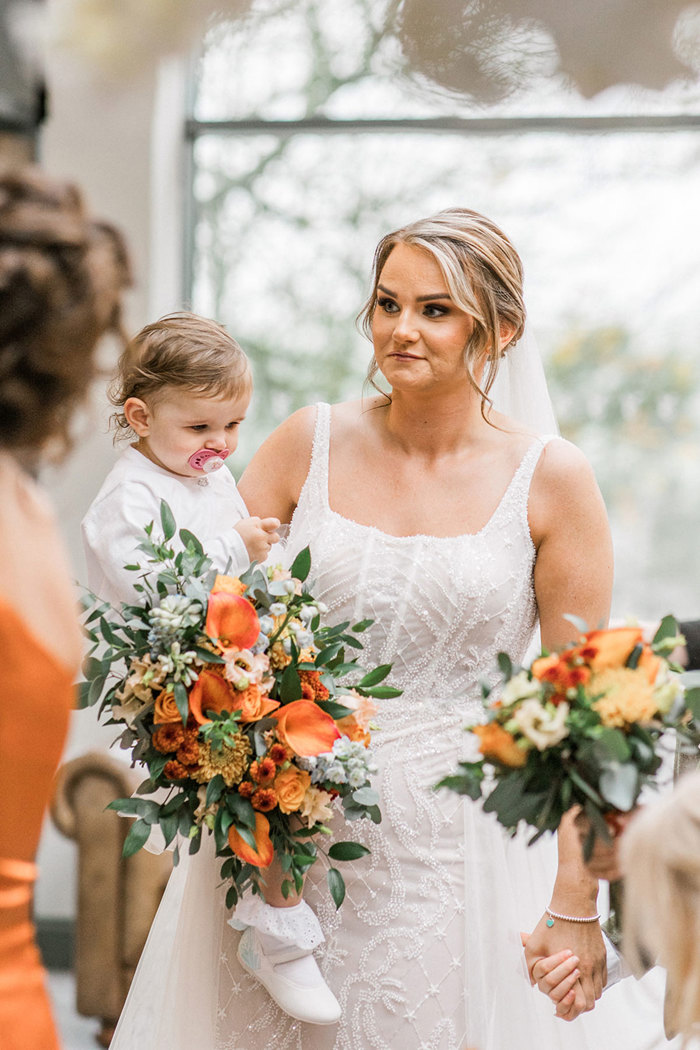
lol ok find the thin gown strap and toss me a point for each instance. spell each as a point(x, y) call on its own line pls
point(517, 496)
point(316, 483)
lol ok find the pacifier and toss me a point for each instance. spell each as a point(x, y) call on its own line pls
point(207, 459)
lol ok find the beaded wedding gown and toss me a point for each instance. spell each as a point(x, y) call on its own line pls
point(425, 953)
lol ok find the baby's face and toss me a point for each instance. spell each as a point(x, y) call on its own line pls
point(179, 423)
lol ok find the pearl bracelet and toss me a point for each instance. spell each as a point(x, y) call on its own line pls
point(569, 918)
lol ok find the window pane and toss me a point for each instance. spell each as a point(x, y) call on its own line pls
point(285, 232)
point(350, 58)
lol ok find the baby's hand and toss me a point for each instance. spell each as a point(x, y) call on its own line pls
point(258, 534)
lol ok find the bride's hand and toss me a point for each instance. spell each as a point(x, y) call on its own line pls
point(585, 941)
point(557, 977)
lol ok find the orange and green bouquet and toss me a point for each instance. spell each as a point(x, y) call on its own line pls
point(580, 727)
point(234, 696)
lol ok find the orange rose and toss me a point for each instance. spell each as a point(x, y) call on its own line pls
point(253, 705)
point(495, 742)
point(165, 709)
point(349, 727)
point(291, 786)
point(228, 585)
point(613, 646)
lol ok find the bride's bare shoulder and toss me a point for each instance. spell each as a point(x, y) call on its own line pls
point(349, 417)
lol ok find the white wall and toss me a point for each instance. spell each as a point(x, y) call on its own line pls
point(122, 144)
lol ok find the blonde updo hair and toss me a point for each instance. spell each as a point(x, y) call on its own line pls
point(181, 351)
point(660, 853)
point(484, 276)
point(62, 275)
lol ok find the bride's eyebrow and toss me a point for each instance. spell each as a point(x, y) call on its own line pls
point(420, 299)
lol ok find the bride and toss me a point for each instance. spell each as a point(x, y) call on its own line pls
point(455, 528)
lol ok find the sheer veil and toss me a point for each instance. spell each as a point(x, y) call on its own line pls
point(520, 388)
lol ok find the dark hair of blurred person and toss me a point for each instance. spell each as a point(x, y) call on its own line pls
point(61, 279)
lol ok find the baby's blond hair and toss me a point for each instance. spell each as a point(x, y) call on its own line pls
point(183, 351)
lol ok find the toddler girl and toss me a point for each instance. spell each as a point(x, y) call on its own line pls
point(182, 390)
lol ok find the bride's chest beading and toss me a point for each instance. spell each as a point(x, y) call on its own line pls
point(441, 608)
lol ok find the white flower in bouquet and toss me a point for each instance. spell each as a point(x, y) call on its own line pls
point(317, 807)
point(543, 725)
point(667, 690)
point(519, 687)
point(244, 668)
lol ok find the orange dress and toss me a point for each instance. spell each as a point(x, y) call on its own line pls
point(36, 696)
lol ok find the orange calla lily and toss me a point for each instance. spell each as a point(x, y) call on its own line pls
point(264, 852)
point(306, 728)
point(232, 620)
point(211, 692)
point(614, 646)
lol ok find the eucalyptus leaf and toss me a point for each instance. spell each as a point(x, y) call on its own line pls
point(181, 701)
point(374, 677)
point(619, 785)
point(333, 709)
point(336, 884)
point(169, 826)
point(290, 685)
point(301, 566)
point(215, 789)
point(347, 851)
point(132, 807)
point(505, 666)
point(136, 837)
point(188, 539)
point(242, 811)
point(366, 796)
point(668, 628)
point(381, 692)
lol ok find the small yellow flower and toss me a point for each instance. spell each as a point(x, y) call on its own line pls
point(230, 762)
point(279, 659)
point(628, 696)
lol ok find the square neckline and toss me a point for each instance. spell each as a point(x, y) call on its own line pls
point(322, 436)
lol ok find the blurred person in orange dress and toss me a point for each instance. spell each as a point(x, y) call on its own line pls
point(61, 279)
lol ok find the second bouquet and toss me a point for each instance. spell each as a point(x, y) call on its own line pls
point(580, 727)
point(235, 697)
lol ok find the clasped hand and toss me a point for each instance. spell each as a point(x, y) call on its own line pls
point(567, 962)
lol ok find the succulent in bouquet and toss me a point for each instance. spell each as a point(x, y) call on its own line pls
point(235, 697)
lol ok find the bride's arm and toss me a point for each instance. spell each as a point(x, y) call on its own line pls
point(275, 476)
point(573, 574)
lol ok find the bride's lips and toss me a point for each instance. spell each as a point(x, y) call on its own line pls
point(404, 357)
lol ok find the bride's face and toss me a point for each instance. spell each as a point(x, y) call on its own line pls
point(419, 333)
